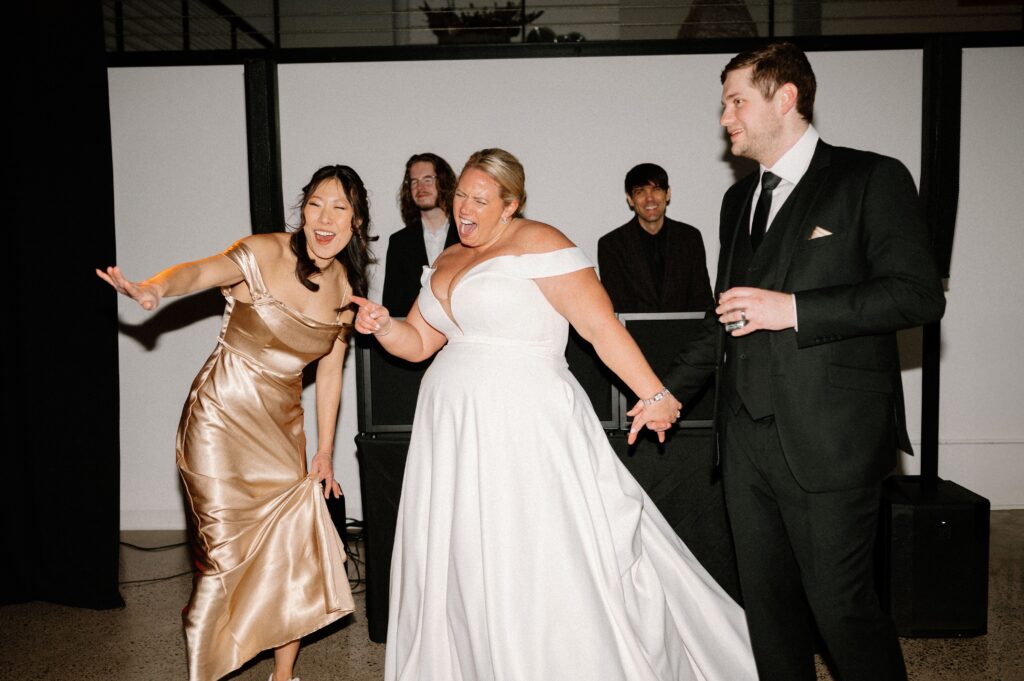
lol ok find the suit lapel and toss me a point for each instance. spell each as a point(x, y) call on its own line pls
point(674, 265)
point(453, 232)
point(790, 225)
point(739, 225)
point(421, 246)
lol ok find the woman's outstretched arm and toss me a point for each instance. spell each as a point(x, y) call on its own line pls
point(177, 280)
point(580, 298)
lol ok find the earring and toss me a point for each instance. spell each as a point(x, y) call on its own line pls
point(504, 219)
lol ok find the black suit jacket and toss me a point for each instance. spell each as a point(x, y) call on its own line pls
point(622, 259)
point(834, 385)
point(407, 256)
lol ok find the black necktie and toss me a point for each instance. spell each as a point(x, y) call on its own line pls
point(769, 182)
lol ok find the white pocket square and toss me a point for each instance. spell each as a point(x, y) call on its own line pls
point(820, 232)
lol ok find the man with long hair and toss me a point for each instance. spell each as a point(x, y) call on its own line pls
point(426, 203)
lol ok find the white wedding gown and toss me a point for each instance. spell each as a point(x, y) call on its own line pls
point(524, 550)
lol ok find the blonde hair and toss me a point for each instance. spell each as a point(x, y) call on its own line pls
point(506, 170)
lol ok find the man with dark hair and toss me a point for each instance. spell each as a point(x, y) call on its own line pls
point(653, 263)
point(425, 200)
point(825, 255)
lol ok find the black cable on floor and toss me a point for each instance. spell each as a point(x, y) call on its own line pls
point(153, 548)
point(154, 579)
point(356, 532)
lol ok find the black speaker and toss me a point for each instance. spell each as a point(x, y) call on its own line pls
point(386, 388)
point(381, 468)
point(932, 558)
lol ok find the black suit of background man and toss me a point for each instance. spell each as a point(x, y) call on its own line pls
point(425, 199)
point(653, 263)
point(810, 412)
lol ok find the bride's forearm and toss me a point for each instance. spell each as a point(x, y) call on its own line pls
point(403, 340)
point(622, 355)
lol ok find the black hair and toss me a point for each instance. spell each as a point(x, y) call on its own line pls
point(645, 174)
point(356, 256)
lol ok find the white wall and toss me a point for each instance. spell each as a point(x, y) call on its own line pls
point(180, 193)
point(577, 125)
point(981, 429)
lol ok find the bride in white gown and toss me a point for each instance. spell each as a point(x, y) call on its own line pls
point(524, 550)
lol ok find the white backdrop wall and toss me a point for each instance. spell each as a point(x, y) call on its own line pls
point(981, 429)
point(180, 193)
point(577, 125)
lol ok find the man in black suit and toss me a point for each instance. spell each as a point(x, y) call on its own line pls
point(426, 203)
point(824, 256)
point(653, 263)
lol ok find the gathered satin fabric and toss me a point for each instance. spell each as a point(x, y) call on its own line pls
point(271, 567)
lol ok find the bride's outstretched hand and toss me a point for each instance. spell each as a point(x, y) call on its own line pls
point(146, 295)
point(372, 317)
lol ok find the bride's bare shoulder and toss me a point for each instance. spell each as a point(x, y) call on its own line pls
point(539, 237)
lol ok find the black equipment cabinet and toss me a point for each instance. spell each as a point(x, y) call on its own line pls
point(381, 467)
point(933, 557)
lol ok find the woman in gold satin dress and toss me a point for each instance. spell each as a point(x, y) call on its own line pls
point(270, 563)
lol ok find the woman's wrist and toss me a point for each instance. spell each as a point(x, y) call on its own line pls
point(656, 397)
point(158, 286)
point(385, 330)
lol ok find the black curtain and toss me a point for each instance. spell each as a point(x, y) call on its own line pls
point(62, 451)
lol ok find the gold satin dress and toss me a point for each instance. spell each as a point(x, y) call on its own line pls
point(271, 567)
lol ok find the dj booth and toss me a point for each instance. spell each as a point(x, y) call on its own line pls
point(679, 476)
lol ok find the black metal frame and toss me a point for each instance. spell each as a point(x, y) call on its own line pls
point(624, 397)
point(596, 48)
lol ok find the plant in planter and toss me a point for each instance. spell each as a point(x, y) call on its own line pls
point(477, 25)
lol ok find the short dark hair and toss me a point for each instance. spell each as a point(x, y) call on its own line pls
point(445, 183)
point(775, 65)
point(645, 174)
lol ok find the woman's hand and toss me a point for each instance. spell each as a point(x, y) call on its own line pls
point(657, 416)
point(372, 317)
point(321, 468)
point(145, 294)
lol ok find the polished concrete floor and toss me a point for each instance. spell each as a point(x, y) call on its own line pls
point(143, 641)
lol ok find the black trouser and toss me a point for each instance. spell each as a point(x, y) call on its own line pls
point(801, 553)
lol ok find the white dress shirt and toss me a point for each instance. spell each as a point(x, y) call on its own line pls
point(434, 240)
point(791, 168)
